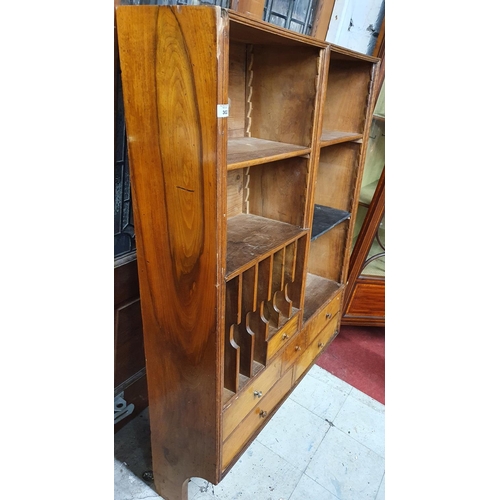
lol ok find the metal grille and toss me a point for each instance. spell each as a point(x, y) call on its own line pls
point(124, 221)
point(295, 15)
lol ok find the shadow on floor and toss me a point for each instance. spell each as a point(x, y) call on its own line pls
point(133, 446)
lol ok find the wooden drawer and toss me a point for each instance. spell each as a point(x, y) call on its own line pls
point(324, 316)
point(255, 419)
point(249, 397)
point(282, 336)
point(296, 347)
point(315, 347)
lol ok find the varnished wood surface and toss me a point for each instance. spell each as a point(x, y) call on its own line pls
point(319, 290)
point(250, 238)
point(367, 303)
point(329, 137)
point(222, 239)
point(249, 151)
point(172, 136)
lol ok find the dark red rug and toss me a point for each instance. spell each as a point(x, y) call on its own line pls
point(357, 356)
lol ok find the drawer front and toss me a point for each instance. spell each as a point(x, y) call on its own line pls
point(249, 397)
point(315, 347)
point(296, 347)
point(325, 316)
point(282, 336)
point(255, 419)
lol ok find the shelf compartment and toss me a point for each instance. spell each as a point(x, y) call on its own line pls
point(326, 218)
point(250, 238)
point(330, 137)
point(318, 292)
point(250, 151)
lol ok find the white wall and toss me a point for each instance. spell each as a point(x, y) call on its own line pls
point(352, 24)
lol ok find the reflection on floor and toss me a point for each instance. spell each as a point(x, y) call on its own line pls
point(327, 442)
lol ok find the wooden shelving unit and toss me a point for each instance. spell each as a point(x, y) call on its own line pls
point(246, 146)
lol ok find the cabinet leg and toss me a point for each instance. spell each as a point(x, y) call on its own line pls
point(171, 489)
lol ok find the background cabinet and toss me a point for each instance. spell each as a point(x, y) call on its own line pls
point(246, 146)
point(365, 290)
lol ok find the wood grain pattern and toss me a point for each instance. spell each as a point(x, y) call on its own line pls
point(338, 166)
point(249, 151)
point(251, 238)
point(278, 190)
point(172, 137)
point(346, 96)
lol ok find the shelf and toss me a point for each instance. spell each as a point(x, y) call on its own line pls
point(329, 137)
point(318, 292)
point(250, 238)
point(325, 218)
point(249, 151)
point(380, 118)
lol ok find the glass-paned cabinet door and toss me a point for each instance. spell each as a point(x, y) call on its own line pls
point(374, 264)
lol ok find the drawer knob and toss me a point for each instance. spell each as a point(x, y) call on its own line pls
point(257, 393)
point(297, 347)
point(263, 414)
point(321, 344)
point(328, 315)
point(285, 336)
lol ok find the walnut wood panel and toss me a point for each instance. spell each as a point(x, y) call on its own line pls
point(237, 90)
point(346, 96)
point(278, 190)
point(173, 139)
point(319, 290)
point(251, 8)
point(250, 238)
point(316, 346)
point(326, 254)
point(284, 89)
point(236, 192)
point(322, 15)
point(240, 405)
point(337, 174)
point(256, 418)
point(330, 137)
point(249, 151)
point(366, 305)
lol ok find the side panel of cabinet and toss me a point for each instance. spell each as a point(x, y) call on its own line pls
point(173, 62)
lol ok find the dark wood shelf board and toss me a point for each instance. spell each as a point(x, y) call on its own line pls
point(248, 151)
point(251, 238)
point(326, 218)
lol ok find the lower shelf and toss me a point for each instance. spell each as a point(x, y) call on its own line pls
point(318, 291)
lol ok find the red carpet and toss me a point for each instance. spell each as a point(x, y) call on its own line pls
point(357, 356)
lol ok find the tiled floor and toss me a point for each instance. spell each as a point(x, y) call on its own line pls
point(327, 442)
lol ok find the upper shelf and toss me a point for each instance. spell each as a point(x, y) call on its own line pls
point(249, 151)
point(251, 238)
point(329, 137)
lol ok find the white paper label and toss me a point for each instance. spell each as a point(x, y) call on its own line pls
point(222, 110)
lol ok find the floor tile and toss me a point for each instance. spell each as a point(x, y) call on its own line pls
point(308, 489)
point(381, 491)
point(260, 474)
point(364, 398)
point(321, 374)
point(363, 423)
point(346, 468)
point(130, 487)
point(294, 434)
point(323, 396)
